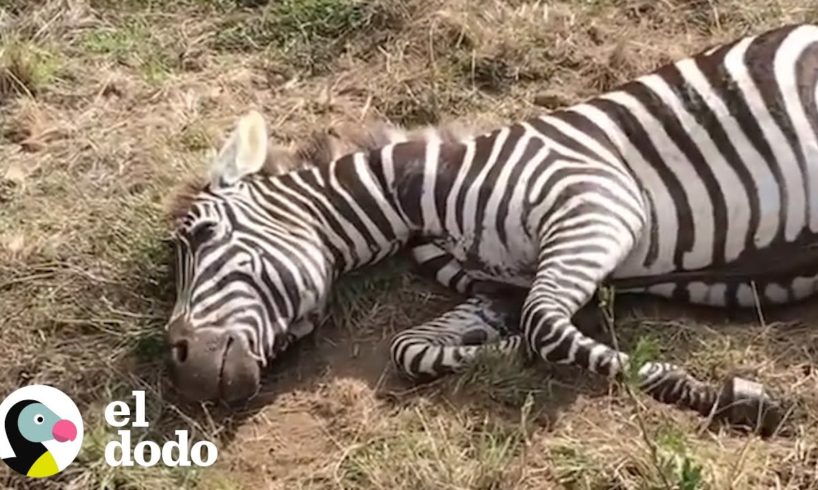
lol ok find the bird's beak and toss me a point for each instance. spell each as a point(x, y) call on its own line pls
point(64, 430)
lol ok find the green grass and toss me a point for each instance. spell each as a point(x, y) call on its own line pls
point(576, 468)
point(676, 462)
point(474, 453)
point(307, 34)
point(135, 45)
point(647, 347)
point(26, 68)
point(504, 379)
point(290, 22)
point(142, 6)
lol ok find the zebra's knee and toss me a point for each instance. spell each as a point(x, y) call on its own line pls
point(544, 328)
point(550, 335)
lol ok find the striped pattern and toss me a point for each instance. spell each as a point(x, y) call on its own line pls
point(455, 338)
point(696, 181)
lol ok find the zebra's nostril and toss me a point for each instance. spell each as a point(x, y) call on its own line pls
point(180, 351)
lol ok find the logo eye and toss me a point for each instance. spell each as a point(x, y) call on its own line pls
point(39, 419)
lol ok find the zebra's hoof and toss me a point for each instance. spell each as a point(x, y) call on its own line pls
point(747, 404)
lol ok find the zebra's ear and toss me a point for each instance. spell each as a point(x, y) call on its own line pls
point(244, 153)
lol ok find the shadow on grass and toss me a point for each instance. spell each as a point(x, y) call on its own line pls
point(369, 308)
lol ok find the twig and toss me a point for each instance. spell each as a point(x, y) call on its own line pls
point(757, 303)
point(24, 279)
point(609, 322)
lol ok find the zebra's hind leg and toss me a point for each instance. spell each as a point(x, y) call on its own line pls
point(579, 248)
point(739, 402)
point(450, 342)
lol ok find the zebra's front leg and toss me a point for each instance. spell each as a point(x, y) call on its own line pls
point(570, 268)
point(450, 342)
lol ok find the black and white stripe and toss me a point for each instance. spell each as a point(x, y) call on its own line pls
point(697, 181)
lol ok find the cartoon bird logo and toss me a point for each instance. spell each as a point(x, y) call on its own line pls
point(41, 431)
point(29, 424)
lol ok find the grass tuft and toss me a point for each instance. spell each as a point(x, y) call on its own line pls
point(133, 45)
point(309, 34)
point(464, 453)
point(502, 378)
point(26, 69)
point(359, 293)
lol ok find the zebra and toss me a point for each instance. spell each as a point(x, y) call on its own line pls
point(688, 182)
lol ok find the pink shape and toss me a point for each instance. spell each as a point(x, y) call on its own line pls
point(64, 430)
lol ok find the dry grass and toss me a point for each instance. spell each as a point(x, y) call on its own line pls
point(106, 105)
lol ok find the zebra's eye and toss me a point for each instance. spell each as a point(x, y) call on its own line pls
point(203, 233)
point(39, 419)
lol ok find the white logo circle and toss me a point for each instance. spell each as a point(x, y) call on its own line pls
point(45, 436)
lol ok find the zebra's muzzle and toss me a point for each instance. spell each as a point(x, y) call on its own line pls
point(211, 364)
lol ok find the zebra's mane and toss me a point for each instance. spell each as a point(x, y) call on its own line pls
point(321, 147)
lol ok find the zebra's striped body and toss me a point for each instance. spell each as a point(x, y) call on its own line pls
point(688, 182)
point(714, 158)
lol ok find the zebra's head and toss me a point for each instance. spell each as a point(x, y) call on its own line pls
point(240, 299)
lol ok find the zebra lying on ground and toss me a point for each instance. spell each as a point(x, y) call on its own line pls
point(696, 182)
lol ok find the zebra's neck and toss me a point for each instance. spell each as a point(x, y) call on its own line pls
point(351, 210)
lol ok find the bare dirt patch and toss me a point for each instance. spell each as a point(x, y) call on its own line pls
point(105, 106)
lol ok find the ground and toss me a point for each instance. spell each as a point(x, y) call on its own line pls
point(107, 105)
